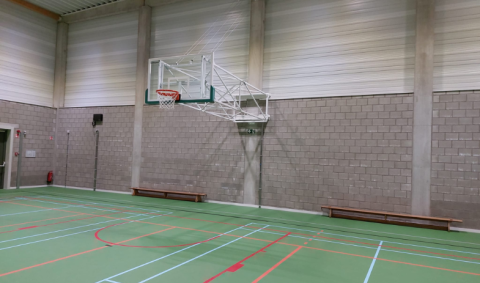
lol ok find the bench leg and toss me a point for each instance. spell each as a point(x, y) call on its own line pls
point(134, 192)
point(330, 213)
point(165, 195)
point(448, 226)
point(196, 198)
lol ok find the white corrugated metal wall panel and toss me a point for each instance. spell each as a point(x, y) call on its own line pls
point(319, 48)
point(457, 45)
point(27, 55)
point(223, 25)
point(102, 61)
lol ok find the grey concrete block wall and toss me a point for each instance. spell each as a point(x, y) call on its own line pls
point(346, 151)
point(456, 156)
point(39, 122)
point(115, 147)
point(186, 150)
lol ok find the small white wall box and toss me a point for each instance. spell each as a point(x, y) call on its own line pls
point(30, 154)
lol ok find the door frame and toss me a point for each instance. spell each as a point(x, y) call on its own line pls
point(10, 130)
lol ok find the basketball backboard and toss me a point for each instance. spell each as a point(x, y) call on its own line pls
point(205, 86)
point(190, 75)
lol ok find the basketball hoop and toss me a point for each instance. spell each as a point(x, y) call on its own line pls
point(167, 98)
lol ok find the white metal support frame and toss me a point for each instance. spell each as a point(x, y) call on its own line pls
point(206, 79)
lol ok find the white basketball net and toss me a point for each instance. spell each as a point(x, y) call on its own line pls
point(166, 99)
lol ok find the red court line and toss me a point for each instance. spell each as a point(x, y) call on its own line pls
point(73, 255)
point(239, 264)
point(276, 265)
point(268, 229)
point(218, 233)
point(143, 212)
point(62, 222)
point(41, 220)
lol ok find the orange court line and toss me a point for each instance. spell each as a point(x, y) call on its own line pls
point(63, 222)
point(41, 220)
point(73, 255)
point(142, 212)
point(276, 265)
point(269, 229)
point(426, 266)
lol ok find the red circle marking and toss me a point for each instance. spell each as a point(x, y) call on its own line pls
point(149, 247)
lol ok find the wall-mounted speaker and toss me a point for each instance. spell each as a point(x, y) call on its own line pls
point(97, 118)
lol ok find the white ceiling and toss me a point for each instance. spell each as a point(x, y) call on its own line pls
point(63, 7)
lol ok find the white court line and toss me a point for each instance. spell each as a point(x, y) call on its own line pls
point(41, 210)
point(150, 210)
point(163, 272)
point(95, 229)
point(160, 258)
point(36, 235)
point(321, 224)
point(373, 263)
point(89, 207)
point(310, 231)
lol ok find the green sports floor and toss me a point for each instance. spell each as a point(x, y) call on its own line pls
point(65, 235)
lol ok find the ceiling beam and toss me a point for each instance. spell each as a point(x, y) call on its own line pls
point(37, 9)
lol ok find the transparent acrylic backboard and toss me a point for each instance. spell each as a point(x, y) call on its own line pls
point(190, 75)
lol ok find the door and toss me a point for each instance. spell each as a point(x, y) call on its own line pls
point(3, 155)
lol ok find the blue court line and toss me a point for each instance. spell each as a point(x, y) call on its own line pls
point(84, 206)
point(366, 247)
point(165, 256)
point(95, 229)
point(151, 210)
point(60, 230)
point(156, 275)
point(41, 210)
point(315, 223)
point(375, 240)
point(373, 263)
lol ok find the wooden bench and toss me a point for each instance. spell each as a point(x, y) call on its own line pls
point(360, 214)
point(167, 194)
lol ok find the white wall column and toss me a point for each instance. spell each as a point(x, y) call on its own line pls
point(423, 107)
point(59, 83)
point(60, 65)
point(143, 54)
point(255, 77)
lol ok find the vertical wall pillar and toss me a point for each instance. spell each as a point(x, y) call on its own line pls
point(143, 54)
point(59, 81)
point(255, 77)
point(423, 105)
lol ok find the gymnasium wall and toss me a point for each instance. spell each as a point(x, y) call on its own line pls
point(457, 45)
point(114, 150)
point(102, 61)
point(338, 48)
point(186, 150)
point(222, 26)
point(39, 122)
point(456, 156)
point(346, 151)
point(27, 55)
point(341, 120)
